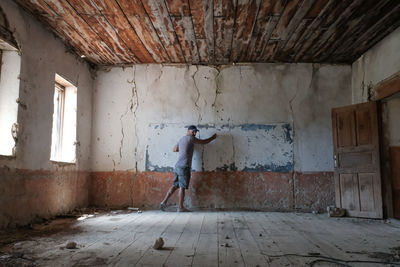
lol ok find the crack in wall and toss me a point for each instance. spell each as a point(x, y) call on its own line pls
point(132, 107)
point(294, 133)
point(217, 91)
point(367, 88)
point(128, 108)
point(196, 103)
point(363, 79)
point(135, 107)
point(161, 73)
point(122, 138)
point(200, 118)
point(233, 166)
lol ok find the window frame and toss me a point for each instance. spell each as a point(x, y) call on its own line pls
point(5, 46)
point(60, 90)
point(63, 149)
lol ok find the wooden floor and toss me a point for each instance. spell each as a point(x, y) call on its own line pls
point(218, 239)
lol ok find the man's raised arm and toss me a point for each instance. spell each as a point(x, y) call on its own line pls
point(206, 141)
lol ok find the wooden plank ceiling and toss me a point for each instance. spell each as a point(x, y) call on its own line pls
point(116, 32)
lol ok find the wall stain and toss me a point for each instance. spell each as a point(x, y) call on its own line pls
point(205, 126)
point(285, 138)
point(269, 168)
point(226, 167)
point(255, 127)
point(288, 130)
point(155, 168)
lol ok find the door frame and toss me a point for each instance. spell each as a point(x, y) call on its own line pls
point(383, 90)
point(387, 87)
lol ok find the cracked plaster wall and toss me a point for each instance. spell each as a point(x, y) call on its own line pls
point(377, 64)
point(43, 55)
point(31, 185)
point(127, 100)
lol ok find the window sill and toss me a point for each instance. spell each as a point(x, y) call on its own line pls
point(7, 157)
point(62, 163)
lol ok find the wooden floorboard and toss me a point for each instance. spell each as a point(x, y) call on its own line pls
point(143, 238)
point(267, 234)
point(229, 253)
point(206, 251)
point(251, 253)
point(185, 248)
point(216, 239)
point(170, 236)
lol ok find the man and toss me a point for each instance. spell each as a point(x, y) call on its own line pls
point(185, 147)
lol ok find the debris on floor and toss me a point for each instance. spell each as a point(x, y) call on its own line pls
point(226, 245)
point(71, 245)
point(135, 209)
point(159, 243)
point(16, 259)
point(106, 239)
point(392, 256)
point(336, 212)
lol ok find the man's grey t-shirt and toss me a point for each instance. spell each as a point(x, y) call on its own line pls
point(186, 148)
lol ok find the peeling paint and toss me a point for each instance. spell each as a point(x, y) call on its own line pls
point(216, 32)
point(155, 168)
point(289, 133)
point(269, 168)
point(254, 147)
point(225, 167)
point(261, 113)
point(255, 127)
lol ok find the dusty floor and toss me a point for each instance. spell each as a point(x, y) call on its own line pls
point(125, 238)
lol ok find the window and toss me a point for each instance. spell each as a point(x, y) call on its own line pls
point(63, 137)
point(9, 93)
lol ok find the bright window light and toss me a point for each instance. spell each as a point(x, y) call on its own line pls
point(9, 93)
point(63, 137)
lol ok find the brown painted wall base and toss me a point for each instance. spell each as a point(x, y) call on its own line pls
point(26, 195)
point(216, 190)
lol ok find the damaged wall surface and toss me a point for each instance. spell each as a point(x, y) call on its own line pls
point(274, 149)
point(377, 64)
point(246, 147)
point(380, 63)
point(32, 186)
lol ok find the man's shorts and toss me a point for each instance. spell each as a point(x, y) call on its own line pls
point(182, 177)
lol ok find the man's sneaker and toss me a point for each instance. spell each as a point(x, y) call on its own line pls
point(182, 210)
point(162, 206)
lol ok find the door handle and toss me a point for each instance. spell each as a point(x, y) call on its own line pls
point(335, 161)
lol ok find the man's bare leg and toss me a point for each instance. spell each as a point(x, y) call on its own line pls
point(181, 197)
point(171, 190)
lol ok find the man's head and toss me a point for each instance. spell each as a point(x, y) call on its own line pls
point(192, 130)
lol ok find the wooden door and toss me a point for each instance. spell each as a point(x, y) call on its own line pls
point(395, 164)
point(356, 157)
